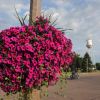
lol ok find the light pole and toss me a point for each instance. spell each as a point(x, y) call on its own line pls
point(35, 10)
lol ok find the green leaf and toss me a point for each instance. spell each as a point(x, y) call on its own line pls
point(45, 83)
point(21, 19)
point(6, 78)
point(19, 77)
point(41, 65)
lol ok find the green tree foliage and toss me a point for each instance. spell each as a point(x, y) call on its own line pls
point(98, 66)
point(77, 62)
point(86, 63)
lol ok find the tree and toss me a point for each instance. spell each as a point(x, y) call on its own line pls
point(98, 66)
point(77, 62)
point(86, 63)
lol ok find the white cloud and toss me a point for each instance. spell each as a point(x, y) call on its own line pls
point(84, 18)
point(7, 12)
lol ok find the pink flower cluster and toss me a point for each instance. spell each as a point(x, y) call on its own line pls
point(32, 55)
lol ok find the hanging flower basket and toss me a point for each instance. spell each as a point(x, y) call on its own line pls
point(32, 56)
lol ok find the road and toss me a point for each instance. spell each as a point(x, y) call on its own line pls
point(85, 88)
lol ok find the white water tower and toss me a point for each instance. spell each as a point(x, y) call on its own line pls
point(89, 44)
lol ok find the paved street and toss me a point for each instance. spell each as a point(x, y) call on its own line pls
point(86, 88)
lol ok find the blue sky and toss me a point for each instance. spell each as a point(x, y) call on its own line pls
point(83, 16)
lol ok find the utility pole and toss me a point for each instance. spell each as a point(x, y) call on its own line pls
point(35, 10)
